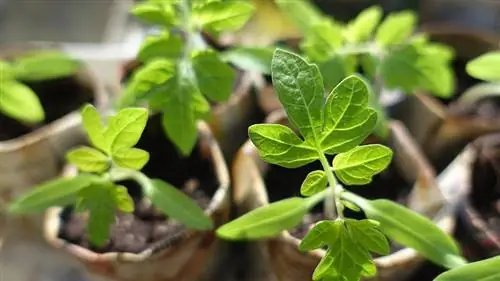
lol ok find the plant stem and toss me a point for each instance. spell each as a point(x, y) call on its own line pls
point(333, 205)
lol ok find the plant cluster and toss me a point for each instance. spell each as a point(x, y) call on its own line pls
point(180, 70)
point(335, 126)
point(17, 100)
point(96, 191)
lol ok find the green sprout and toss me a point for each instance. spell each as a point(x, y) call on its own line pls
point(112, 158)
point(335, 126)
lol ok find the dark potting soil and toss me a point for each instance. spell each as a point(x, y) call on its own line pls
point(147, 226)
point(58, 98)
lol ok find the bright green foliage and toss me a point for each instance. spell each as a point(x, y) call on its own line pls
point(485, 67)
point(113, 158)
point(485, 270)
point(250, 58)
point(361, 28)
point(336, 125)
point(180, 72)
point(396, 28)
point(17, 100)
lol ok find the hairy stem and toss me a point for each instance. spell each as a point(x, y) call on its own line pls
point(333, 205)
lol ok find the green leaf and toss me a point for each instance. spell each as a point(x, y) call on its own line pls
point(299, 87)
point(57, 192)
point(348, 119)
point(20, 102)
point(359, 165)
point(484, 270)
point(88, 159)
point(155, 12)
point(350, 243)
point(99, 200)
point(362, 27)
point(411, 229)
point(303, 13)
point(123, 201)
point(250, 58)
point(6, 71)
point(396, 28)
point(94, 127)
point(166, 46)
point(44, 66)
point(125, 128)
point(351, 206)
point(131, 158)
point(177, 205)
point(315, 182)
point(323, 39)
point(333, 70)
point(279, 145)
point(224, 16)
point(267, 221)
point(215, 78)
point(369, 64)
point(485, 67)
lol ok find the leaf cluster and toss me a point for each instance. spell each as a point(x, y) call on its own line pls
point(180, 72)
point(17, 100)
point(336, 125)
point(96, 189)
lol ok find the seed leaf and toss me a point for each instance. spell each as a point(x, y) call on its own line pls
point(88, 159)
point(94, 127)
point(250, 58)
point(99, 200)
point(315, 182)
point(131, 158)
point(267, 221)
point(362, 27)
point(359, 165)
point(56, 192)
point(348, 119)
point(166, 46)
point(20, 102)
point(278, 144)
point(485, 67)
point(485, 270)
point(224, 16)
point(44, 66)
point(154, 12)
point(396, 28)
point(299, 87)
point(122, 199)
point(411, 229)
point(177, 205)
point(215, 78)
point(125, 128)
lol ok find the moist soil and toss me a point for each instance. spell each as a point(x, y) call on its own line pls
point(147, 226)
point(58, 98)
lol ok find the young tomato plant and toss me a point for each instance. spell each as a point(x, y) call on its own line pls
point(112, 158)
point(387, 51)
point(337, 126)
point(17, 100)
point(180, 70)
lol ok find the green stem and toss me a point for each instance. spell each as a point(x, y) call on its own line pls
point(120, 174)
point(333, 205)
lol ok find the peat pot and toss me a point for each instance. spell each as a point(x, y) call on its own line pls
point(147, 246)
point(229, 120)
point(409, 179)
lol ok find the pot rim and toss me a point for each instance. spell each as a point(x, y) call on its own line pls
point(85, 76)
point(218, 202)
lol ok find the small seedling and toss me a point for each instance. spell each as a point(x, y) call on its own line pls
point(17, 100)
point(112, 158)
point(180, 70)
point(337, 126)
point(484, 270)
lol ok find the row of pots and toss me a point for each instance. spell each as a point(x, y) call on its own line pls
point(36, 157)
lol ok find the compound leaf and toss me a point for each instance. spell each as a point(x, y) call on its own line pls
point(88, 159)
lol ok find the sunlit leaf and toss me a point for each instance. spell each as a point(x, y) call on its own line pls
point(485, 67)
point(215, 78)
point(132, 158)
point(315, 182)
point(125, 129)
point(396, 28)
point(88, 159)
point(94, 127)
point(224, 16)
point(44, 66)
point(20, 102)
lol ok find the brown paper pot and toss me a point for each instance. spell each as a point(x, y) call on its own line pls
point(229, 120)
point(30, 156)
point(280, 258)
point(187, 254)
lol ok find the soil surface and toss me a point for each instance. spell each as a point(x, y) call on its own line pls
point(58, 97)
point(146, 226)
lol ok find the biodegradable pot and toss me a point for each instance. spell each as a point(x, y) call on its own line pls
point(444, 127)
point(184, 255)
point(479, 218)
point(230, 119)
point(30, 155)
point(280, 258)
